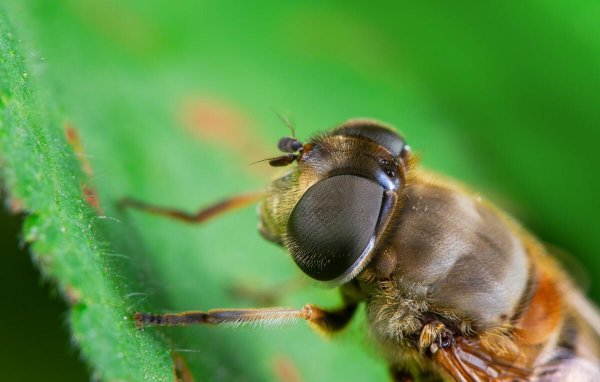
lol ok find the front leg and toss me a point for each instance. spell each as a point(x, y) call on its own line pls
point(435, 336)
point(466, 359)
point(200, 216)
point(328, 321)
point(437, 341)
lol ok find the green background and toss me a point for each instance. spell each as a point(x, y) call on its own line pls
point(173, 101)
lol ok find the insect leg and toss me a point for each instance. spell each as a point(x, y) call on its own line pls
point(200, 216)
point(438, 340)
point(326, 320)
point(464, 359)
point(435, 335)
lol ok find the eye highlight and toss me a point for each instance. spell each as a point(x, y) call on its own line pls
point(333, 224)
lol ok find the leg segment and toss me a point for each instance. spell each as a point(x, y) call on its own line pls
point(466, 359)
point(202, 215)
point(434, 336)
point(328, 321)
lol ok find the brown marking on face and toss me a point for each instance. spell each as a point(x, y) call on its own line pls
point(285, 370)
point(306, 149)
point(181, 370)
point(226, 125)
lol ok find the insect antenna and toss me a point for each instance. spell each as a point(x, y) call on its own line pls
point(279, 161)
point(283, 160)
point(286, 121)
point(289, 145)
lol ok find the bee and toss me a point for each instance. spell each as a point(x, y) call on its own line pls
point(454, 288)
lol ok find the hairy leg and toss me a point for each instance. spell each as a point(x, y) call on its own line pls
point(324, 320)
point(200, 216)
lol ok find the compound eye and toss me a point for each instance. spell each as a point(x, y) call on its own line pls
point(332, 225)
point(376, 132)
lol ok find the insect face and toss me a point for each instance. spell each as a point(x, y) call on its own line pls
point(331, 210)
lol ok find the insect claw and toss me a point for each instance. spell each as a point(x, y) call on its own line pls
point(435, 336)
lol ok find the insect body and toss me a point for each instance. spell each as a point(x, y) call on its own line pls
point(454, 288)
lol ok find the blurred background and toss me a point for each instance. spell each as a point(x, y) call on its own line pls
point(173, 100)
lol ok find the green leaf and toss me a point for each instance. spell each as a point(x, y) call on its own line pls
point(45, 182)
